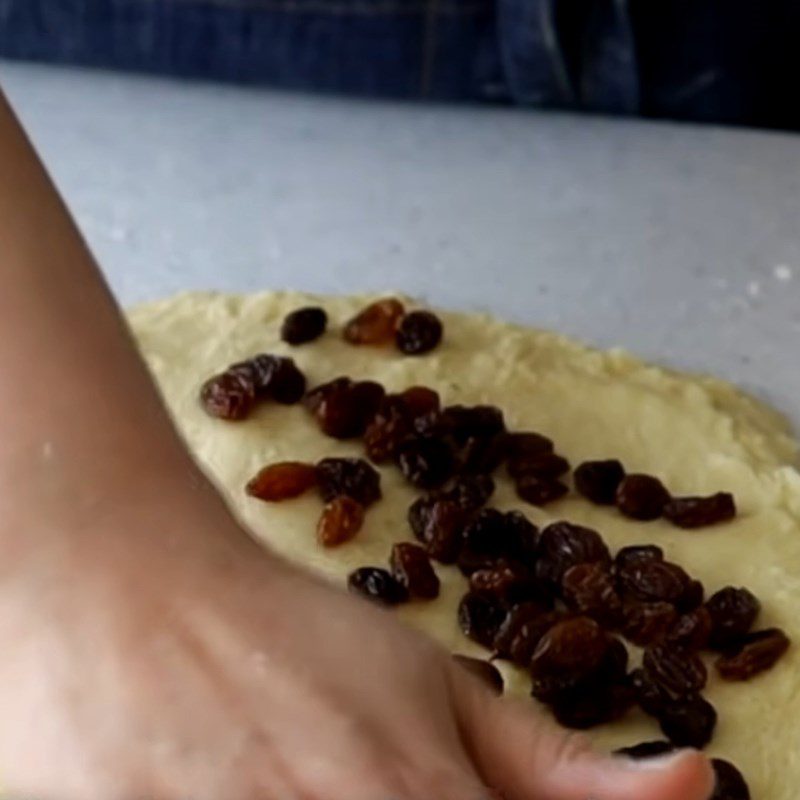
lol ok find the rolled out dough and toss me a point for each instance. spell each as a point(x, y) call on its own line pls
point(698, 434)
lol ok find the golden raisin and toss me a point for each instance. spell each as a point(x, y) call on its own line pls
point(282, 481)
point(341, 520)
point(376, 324)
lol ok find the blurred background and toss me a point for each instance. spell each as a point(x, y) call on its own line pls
point(626, 171)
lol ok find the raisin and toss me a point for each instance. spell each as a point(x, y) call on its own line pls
point(692, 630)
point(508, 581)
point(419, 513)
point(304, 325)
point(385, 435)
point(653, 581)
point(351, 476)
point(345, 409)
point(419, 332)
point(615, 664)
point(480, 618)
point(574, 647)
point(591, 705)
point(646, 623)
point(481, 455)
point(562, 545)
point(522, 537)
point(692, 597)
point(282, 481)
point(426, 462)
point(545, 466)
point(650, 696)
point(467, 422)
point(412, 568)
point(590, 589)
point(340, 521)
point(689, 721)
point(287, 384)
point(487, 533)
point(378, 585)
point(638, 552)
point(468, 492)
point(443, 532)
point(469, 561)
point(420, 400)
point(696, 512)
point(641, 497)
point(521, 630)
point(526, 444)
point(675, 671)
point(729, 782)
point(598, 481)
point(376, 324)
point(753, 654)
point(230, 396)
point(314, 397)
point(733, 612)
point(646, 750)
point(485, 671)
point(540, 491)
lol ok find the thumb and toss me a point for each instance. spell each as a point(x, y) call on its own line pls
point(526, 756)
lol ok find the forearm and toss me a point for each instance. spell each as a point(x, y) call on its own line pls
point(79, 416)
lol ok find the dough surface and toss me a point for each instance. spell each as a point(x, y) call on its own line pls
point(697, 434)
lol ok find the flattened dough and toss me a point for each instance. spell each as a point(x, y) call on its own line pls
point(699, 435)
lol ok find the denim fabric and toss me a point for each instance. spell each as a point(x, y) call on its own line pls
point(723, 60)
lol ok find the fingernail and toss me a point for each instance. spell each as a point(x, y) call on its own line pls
point(664, 761)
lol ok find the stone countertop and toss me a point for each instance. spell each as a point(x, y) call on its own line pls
point(678, 242)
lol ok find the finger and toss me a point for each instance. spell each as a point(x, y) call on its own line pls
point(527, 757)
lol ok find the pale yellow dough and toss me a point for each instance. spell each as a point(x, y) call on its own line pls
point(699, 435)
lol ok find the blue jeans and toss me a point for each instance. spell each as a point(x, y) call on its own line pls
point(710, 60)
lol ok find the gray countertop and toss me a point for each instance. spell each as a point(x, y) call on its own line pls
point(675, 241)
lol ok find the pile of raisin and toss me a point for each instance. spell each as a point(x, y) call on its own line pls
point(411, 576)
point(343, 408)
point(535, 468)
point(233, 394)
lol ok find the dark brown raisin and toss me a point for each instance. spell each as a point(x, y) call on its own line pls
point(696, 512)
point(468, 422)
point(689, 721)
point(540, 491)
point(733, 612)
point(692, 630)
point(526, 444)
point(469, 561)
point(419, 332)
point(729, 782)
point(287, 384)
point(508, 581)
point(545, 466)
point(378, 585)
point(481, 455)
point(314, 397)
point(419, 513)
point(653, 581)
point(590, 589)
point(753, 654)
point(650, 696)
point(518, 636)
point(480, 617)
point(385, 435)
point(344, 410)
point(426, 462)
point(692, 597)
point(677, 672)
point(420, 400)
point(443, 532)
point(468, 492)
point(646, 623)
point(593, 704)
point(412, 568)
point(575, 647)
point(646, 750)
point(230, 396)
point(562, 545)
point(351, 476)
point(638, 552)
point(304, 325)
point(340, 521)
point(485, 671)
point(522, 538)
point(615, 665)
point(486, 533)
point(598, 481)
point(376, 324)
point(641, 497)
point(282, 481)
